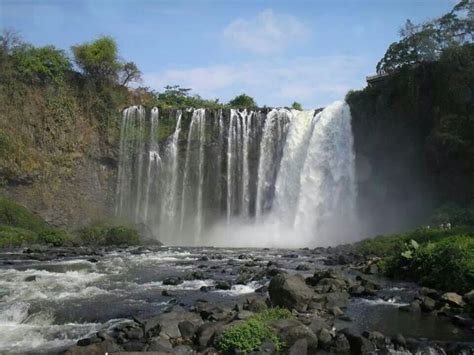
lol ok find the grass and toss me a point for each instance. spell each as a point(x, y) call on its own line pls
point(249, 335)
point(442, 259)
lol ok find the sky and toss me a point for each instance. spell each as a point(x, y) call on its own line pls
point(277, 51)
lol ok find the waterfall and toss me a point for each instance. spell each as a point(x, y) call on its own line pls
point(239, 178)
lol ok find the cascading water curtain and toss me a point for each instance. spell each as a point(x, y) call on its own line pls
point(196, 176)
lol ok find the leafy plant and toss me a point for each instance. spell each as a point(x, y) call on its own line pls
point(243, 101)
point(249, 335)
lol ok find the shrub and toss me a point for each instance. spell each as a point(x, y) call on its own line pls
point(454, 214)
point(121, 236)
point(15, 215)
point(54, 237)
point(16, 237)
point(446, 264)
point(296, 106)
point(100, 234)
point(249, 335)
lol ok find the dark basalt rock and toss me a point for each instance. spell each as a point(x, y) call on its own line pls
point(173, 281)
point(290, 291)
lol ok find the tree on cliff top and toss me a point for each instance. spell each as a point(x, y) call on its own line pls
point(296, 106)
point(425, 42)
point(243, 101)
point(99, 60)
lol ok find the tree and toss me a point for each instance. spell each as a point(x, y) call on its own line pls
point(243, 101)
point(42, 64)
point(98, 59)
point(129, 73)
point(426, 42)
point(296, 106)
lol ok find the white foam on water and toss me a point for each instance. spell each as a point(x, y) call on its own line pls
point(48, 285)
point(240, 289)
point(380, 301)
point(22, 332)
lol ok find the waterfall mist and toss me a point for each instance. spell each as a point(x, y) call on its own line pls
point(282, 178)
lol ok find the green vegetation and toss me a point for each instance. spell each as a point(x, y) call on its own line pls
point(174, 97)
point(101, 234)
point(20, 227)
point(424, 43)
point(439, 258)
point(249, 335)
point(15, 215)
point(296, 106)
point(243, 101)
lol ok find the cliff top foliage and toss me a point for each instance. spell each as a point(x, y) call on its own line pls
point(425, 42)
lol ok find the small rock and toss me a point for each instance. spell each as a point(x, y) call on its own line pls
point(30, 278)
point(300, 347)
point(173, 281)
point(453, 299)
point(290, 291)
point(469, 298)
point(222, 285)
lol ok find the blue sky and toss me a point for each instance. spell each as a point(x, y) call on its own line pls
point(277, 51)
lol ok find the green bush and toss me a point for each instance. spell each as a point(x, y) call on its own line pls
point(249, 335)
point(454, 214)
point(54, 237)
point(446, 264)
point(16, 237)
point(15, 215)
point(100, 234)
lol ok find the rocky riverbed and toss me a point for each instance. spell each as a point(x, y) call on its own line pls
point(179, 300)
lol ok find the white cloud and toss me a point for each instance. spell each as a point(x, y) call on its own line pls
point(266, 33)
point(312, 81)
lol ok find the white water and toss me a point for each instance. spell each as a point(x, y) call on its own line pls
point(285, 178)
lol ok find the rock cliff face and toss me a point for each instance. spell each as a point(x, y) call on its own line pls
point(56, 158)
point(414, 142)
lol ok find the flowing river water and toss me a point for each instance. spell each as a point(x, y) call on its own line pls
point(47, 305)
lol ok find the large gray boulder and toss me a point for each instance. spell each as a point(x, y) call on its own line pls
point(290, 291)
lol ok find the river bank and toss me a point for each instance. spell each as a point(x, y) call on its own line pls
point(185, 300)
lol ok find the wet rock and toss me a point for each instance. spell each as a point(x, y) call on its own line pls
point(290, 256)
point(255, 305)
point(429, 350)
point(93, 260)
point(168, 293)
point(453, 299)
point(30, 278)
point(206, 332)
point(89, 341)
point(336, 311)
point(318, 323)
point(358, 343)
point(427, 304)
point(463, 320)
point(166, 324)
point(135, 345)
point(324, 338)
point(184, 350)
point(413, 307)
point(400, 341)
point(376, 338)
point(94, 349)
point(372, 269)
point(222, 285)
point(262, 289)
point(300, 347)
point(206, 288)
point(469, 298)
point(267, 347)
point(197, 275)
point(302, 267)
point(173, 281)
point(290, 291)
point(340, 345)
point(291, 330)
point(357, 290)
point(335, 299)
point(187, 329)
point(160, 345)
point(204, 258)
point(242, 315)
point(432, 293)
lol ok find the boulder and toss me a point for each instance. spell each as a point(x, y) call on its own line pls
point(469, 298)
point(453, 299)
point(340, 345)
point(173, 281)
point(222, 285)
point(255, 305)
point(427, 304)
point(358, 343)
point(290, 291)
point(94, 349)
point(300, 347)
point(324, 338)
point(413, 307)
point(291, 330)
point(187, 329)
